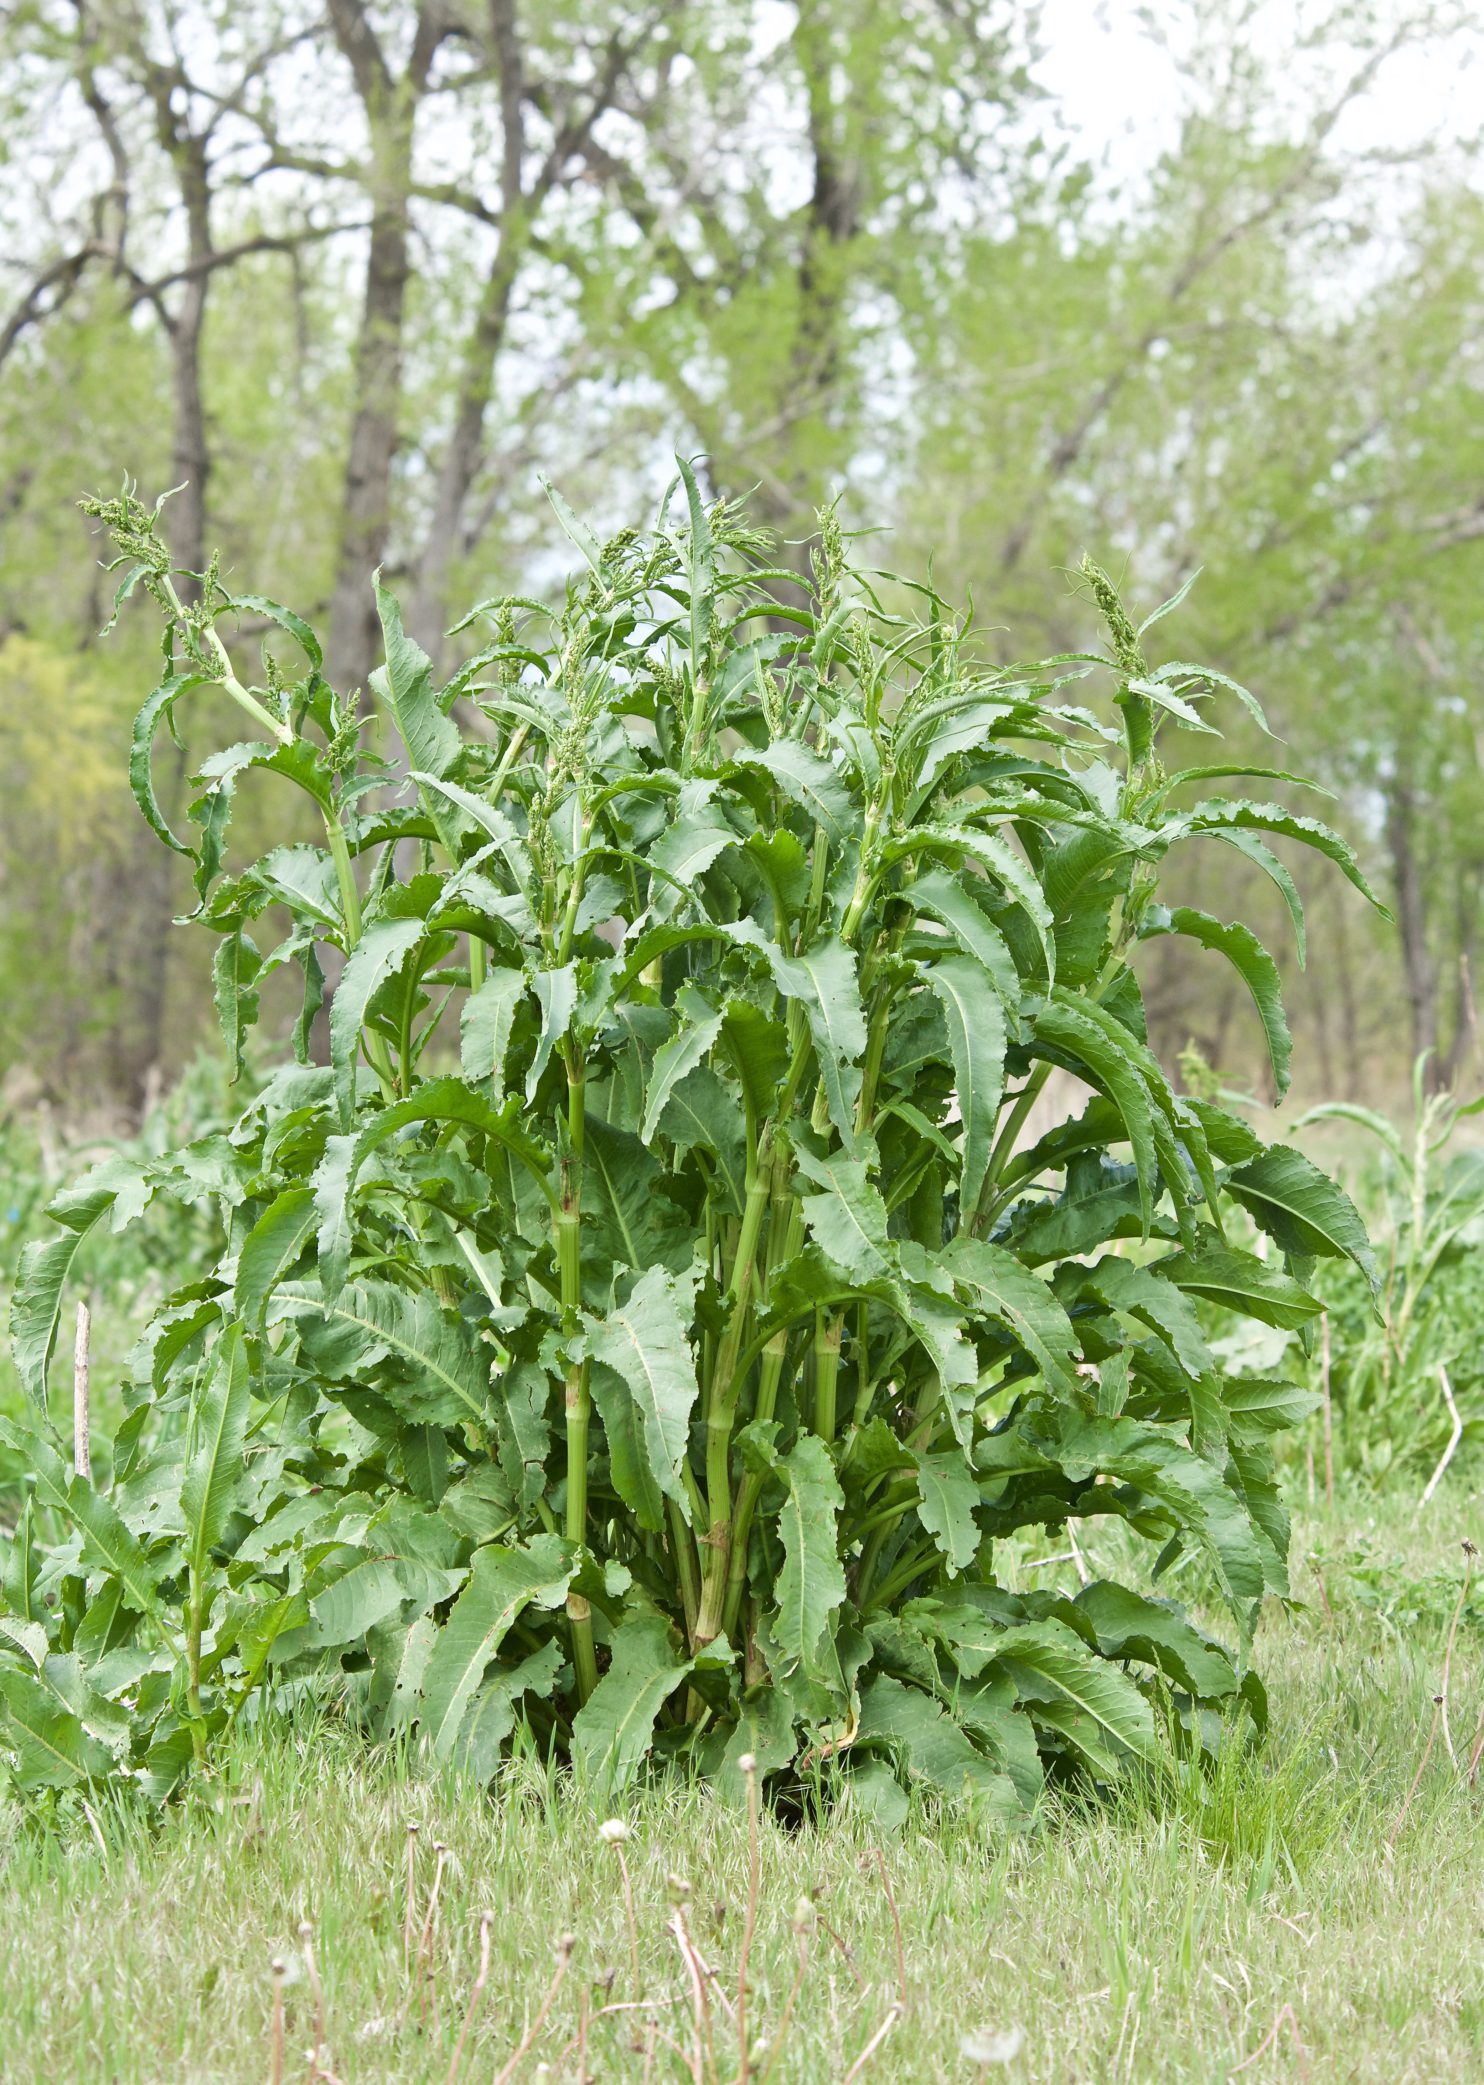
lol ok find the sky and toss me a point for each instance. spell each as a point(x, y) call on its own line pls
point(1121, 82)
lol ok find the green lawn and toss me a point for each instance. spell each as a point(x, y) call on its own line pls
point(1142, 1941)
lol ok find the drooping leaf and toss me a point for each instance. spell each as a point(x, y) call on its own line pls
point(1302, 1208)
point(1258, 972)
point(405, 685)
point(502, 1582)
point(643, 1341)
point(1094, 1706)
point(270, 1249)
point(825, 982)
point(485, 1026)
point(947, 1495)
point(214, 1467)
point(976, 1038)
point(933, 1747)
point(847, 1218)
point(611, 1732)
point(811, 1584)
point(999, 1286)
point(378, 955)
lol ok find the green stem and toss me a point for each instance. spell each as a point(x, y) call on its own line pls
point(897, 1581)
point(350, 906)
point(683, 1549)
point(567, 1224)
point(828, 1326)
point(227, 678)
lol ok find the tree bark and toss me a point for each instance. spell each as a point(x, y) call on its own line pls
point(391, 106)
point(1418, 968)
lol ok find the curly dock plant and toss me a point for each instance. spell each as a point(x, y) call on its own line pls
point(650, 1317)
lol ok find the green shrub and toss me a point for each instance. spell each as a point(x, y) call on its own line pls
point(650, 1318)
point(1388, 1401)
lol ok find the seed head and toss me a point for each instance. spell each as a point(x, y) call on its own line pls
point(993, 2044)
point(747, 1764)
point(613, 1831)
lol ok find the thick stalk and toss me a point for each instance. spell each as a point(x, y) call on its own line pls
point(828, 1326)
point(227, 678)
point(722, 1404)
point(350, 905)
point(567, 1224)
point(683, 1549)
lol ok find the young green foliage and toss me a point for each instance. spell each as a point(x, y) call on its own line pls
point(654, 1312)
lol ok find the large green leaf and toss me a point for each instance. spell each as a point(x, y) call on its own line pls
point(1075, 1038)
point(699, 1027)
point(825, 982)
point(485, 1026)
point(502, 1582)
point(214, 1467)
point(443, 1367)
point(1220, 818)
point(945, 899)
point(109, 1543)
point(1241, 1283)
point(1100, 1712)
point(1000, 1287)
point(810, 782)
point(1130, 1626)
point(1257, 970)
point(811, 1584)
point(976, 1037)
point(1003, 864)
point(491, 1714)
point(270, 1248)
point(847, 1218)
point(933, 1748)
point(946, 1497)
point(379, 954)
point(52, 1749)
point(1302, 1208)
point(1142, 1293)
point(643, 1342)
point(405, 685)
point(611, 1732)
point(36, 1305)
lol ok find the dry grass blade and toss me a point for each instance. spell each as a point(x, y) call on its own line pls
point(1453, 1439)
point(1285, 2015)
point(893, 2014)
point(1432, 1736)
point(311, 1970)
point(486, 1920)
point(278, 1969)
point(803, 1918)
point(698, 1974)
point(897, 1930)
point(564, 1949)
point(409, 1922)
point(748, 1767)
point(1463, 1593)
point(425, 1971)
point(613, 1833)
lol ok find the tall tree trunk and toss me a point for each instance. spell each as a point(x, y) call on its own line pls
point(158, 875)
point(377, 389)
point(391, 106)
point(1418, 969)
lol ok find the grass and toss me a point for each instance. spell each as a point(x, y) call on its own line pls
point(1297, 1917)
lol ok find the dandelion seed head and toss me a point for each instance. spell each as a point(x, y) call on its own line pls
point(993, 2044)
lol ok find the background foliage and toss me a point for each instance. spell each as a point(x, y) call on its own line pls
point(900, 249)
